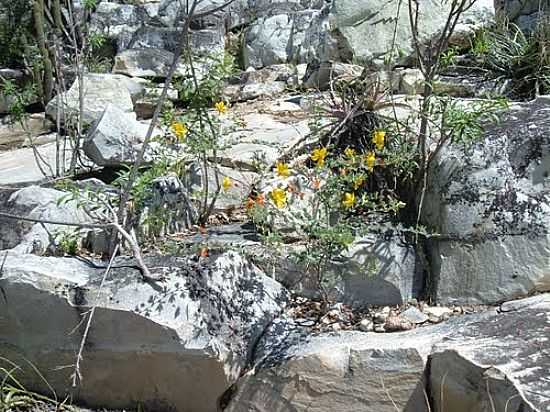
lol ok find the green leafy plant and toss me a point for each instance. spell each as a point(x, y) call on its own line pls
point(68, 241)
point(518, 58)
point(15, 32)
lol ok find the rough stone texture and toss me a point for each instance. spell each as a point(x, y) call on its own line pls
point(145, 106)
point(354, 371)
point(228, 199)
point(267, 82)
point(19, 166)
point(172, 346)
point(156, 25)
point(500, 363)
point(202, 41)
point(524, 13)
point(345, 372)
point(260, 139)
point(99, 91)
point(236, 93)
point(143, 62)
point(113, 139)
point(367, 28)
point(381, 271)
point(491, 205)
point(36, 125)
point(38, 203)
point(321, 76)
point(278, 39)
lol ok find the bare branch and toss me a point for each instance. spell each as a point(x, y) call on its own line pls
point(77, 375)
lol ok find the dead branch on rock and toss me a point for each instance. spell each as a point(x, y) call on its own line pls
point(77, 375)
point(145, 272)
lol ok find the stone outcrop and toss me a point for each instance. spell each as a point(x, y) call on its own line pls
point(346, 31)
point(114, 138)
point(495, 357)
point(100, 90)
point(490, 204)
point(37, 203)
point(173, 346)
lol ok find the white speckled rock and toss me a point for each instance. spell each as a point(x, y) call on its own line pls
point(173, 346)
point(100, 90)
point(492, 207)
point(354, 371)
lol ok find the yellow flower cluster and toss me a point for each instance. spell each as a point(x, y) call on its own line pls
point(350, 153)
point(227, 183)
point(221, 107)
point(179, 129)
point(370, 160)
point(278, 196)
point(282, 169)
point(379, 138)
point(319, 155)
point(349, 200)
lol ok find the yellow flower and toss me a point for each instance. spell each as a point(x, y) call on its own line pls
point(378, 139)
point(358, 181)
point(282, 169)
point(371, 161)
point(227, 183)
point(349, 200)
point(319, 156)
point(279, 197)
point(179, 129)
point(220, 107)
point(350, 153)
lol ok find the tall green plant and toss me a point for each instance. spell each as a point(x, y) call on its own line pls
point(518, 58)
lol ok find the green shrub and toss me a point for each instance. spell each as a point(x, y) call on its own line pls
point(519, 58)
point(15, 28)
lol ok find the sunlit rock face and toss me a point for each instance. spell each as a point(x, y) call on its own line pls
point(490, 204)
point(176, 345)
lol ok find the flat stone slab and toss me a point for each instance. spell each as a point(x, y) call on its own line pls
point(19, 166)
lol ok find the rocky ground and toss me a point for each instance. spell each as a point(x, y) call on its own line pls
point(459, 323)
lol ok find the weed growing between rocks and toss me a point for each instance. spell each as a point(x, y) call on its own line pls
point(518, 59)
point(368, 171)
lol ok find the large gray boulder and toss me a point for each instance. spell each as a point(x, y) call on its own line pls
point(491, 206)
point(278, 39)
point(35, 125)
point(380, 270)
point(346, 372)
point(377, 269)
point(526, 14)
point(462, 365)
point(497, 363)
point(143, 62)
point(172, 346)
point(350, 30)
point(367, 28)
point(100, 90)
point(37, 203)
point(114, 138)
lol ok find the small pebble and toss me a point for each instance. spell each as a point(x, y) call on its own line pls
point(366, 325)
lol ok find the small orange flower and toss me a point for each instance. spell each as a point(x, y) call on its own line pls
point(316, 183)
point(250, 203)
point(260, 199)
